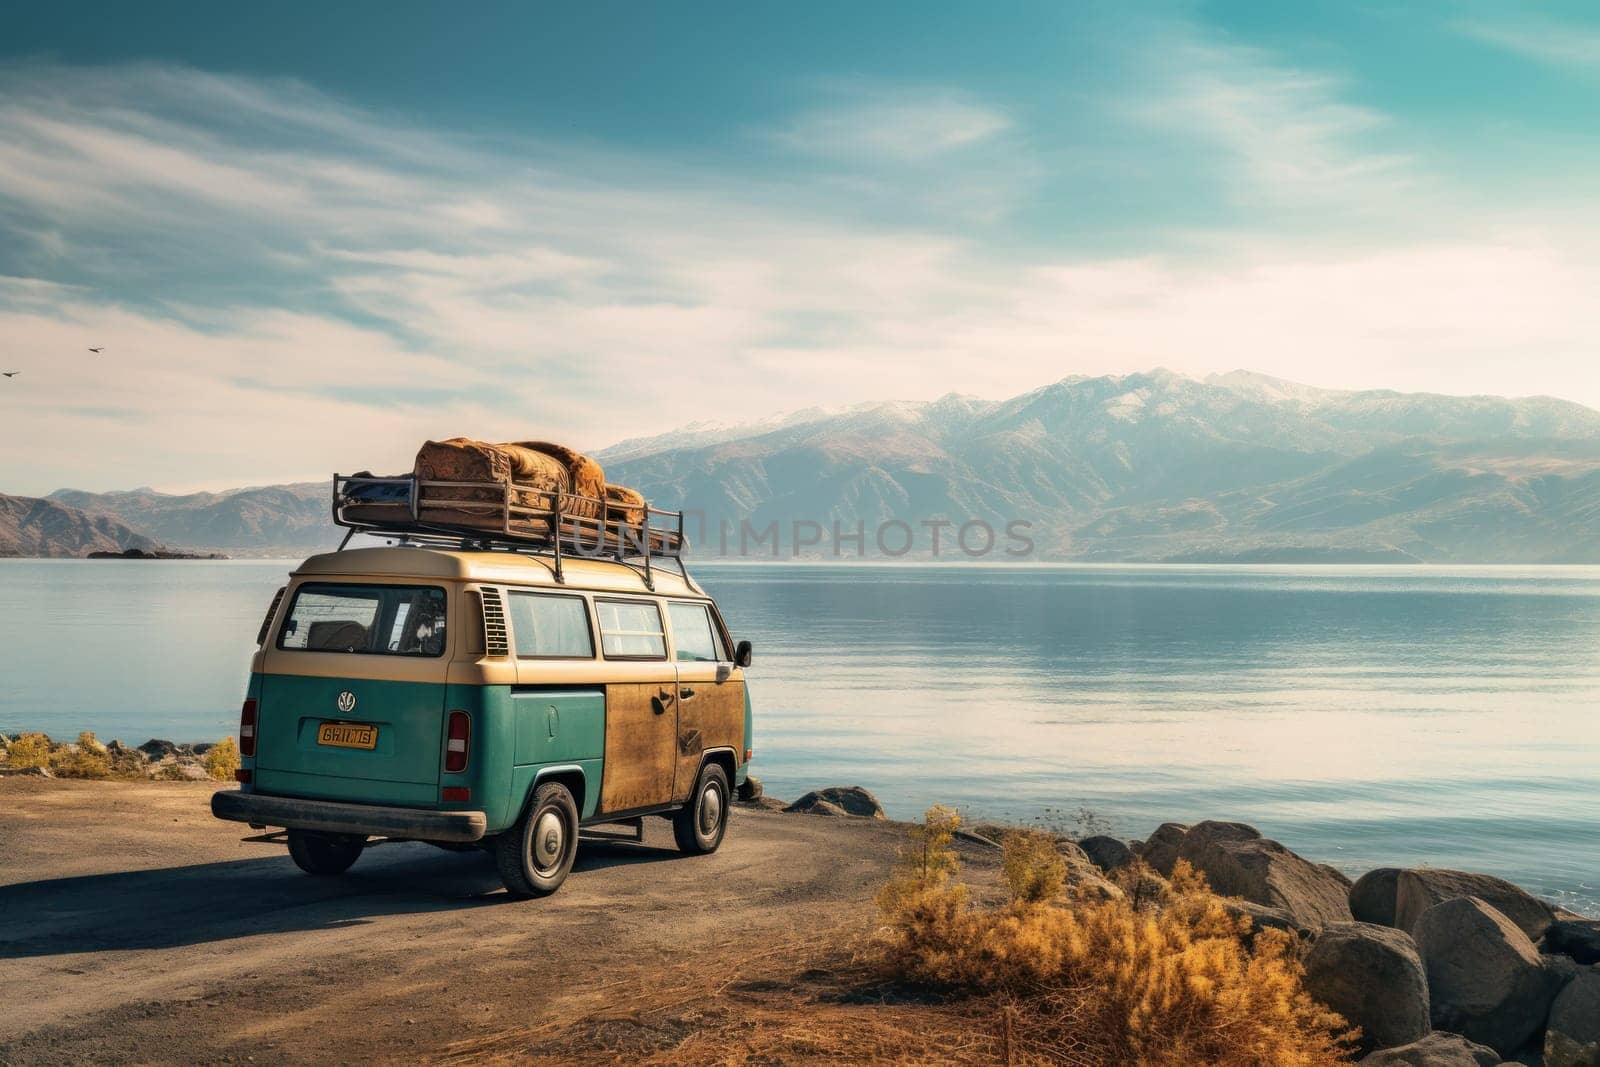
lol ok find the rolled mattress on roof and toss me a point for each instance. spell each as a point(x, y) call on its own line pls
point(536, 472)
point(585, 479)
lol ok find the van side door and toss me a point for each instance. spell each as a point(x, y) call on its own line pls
point(641, 705)
point(710, 691)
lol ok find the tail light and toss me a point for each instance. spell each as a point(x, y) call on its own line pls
point(247, 728)
point(242, 776)
point(455, 746)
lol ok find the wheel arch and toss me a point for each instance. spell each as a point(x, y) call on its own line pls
point(570, 775)
point(723, 757)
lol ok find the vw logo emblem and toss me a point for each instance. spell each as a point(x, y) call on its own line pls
point(346, 702)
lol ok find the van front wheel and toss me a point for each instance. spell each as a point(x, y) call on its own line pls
point(536, 854)
point(324, 853)
point(700, 824)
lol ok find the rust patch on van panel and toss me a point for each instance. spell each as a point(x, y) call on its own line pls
point(712, 718)
point(640, 746)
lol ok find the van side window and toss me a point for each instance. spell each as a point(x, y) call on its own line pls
point(551, 627)
point(631, 629)
point(694, 639)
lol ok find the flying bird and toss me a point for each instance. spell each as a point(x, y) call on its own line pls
point(97, 351)
point(11, 373)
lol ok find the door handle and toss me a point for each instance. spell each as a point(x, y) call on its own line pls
point(665, 694)
point(685, 694)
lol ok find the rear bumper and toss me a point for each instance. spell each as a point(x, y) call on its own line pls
point(326, 816)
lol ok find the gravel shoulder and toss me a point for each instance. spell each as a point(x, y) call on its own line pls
point(135, 928)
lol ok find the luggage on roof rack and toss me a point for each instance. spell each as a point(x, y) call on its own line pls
point(508, 515)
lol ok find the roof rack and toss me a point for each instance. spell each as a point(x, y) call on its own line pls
point(488, 516)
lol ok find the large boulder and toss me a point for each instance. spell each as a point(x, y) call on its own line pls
point(1107, 853)
point(1372, 897)
point(1419, 889)
point(1438, 1049)
point(1161, 850)
point(1203, 834)
point(157, 749)
point(1485, 978)
point(1573, 1037)
point(852, 799)
point(1373, 977)
point(1264, 872)
point(811, 804)
point(1577, 938)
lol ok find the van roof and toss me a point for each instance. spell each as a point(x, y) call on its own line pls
point(512, 567)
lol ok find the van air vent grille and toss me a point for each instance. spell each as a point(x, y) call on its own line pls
point(495, 642)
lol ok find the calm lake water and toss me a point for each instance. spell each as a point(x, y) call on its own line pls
point(1364, 716)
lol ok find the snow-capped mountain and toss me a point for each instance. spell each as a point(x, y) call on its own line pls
point(1163, 466)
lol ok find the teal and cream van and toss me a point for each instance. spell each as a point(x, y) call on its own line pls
point(479, 697)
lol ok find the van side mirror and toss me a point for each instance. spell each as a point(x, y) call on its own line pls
point(741, 654)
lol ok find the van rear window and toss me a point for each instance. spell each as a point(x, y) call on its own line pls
point(385, 620)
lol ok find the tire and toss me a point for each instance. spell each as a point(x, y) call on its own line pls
point(324, 854)
point(702, 822)
point(536, 854)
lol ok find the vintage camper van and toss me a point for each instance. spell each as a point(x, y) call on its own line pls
point(466, 689)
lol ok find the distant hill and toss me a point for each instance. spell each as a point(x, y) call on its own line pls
point(263, 520)
point(30, 526)
point(1138, 467)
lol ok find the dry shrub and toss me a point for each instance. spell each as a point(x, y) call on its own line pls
point(29, 750)
point(222, 759)
point(926, 864)
point(1034, 868)
point(87, 759)
point(1143, 884)
point(1105, 982)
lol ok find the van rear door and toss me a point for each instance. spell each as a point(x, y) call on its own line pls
point(352, 698)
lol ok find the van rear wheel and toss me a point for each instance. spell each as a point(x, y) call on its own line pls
point(324, 854)
point(536, 854)
point(700, 824)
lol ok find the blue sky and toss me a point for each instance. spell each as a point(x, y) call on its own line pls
point(311, 235)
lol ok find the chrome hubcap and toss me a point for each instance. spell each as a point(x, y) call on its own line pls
point(710, 810)
point(549, 837)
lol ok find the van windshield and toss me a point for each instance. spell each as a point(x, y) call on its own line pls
point(387, 620)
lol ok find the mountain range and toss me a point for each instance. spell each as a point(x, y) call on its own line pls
point(1142, 467)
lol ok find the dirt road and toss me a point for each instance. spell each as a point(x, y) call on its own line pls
point(135, 928)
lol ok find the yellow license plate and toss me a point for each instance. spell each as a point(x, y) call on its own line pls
point(347, 735)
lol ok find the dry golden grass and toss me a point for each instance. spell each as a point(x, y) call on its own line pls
point(1112, 981)
point(222, 759)
point(1034, 868)
point(29, 750)
point(87, 760)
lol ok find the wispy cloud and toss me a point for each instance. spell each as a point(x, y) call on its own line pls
point(1284, 135)
point(900, 125)
point(1542, 39)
